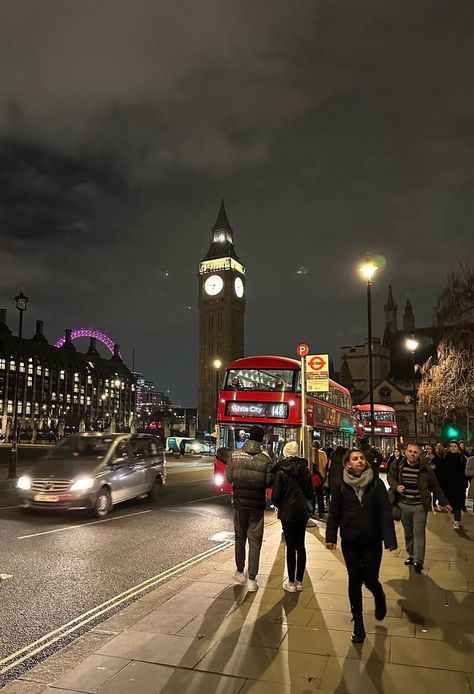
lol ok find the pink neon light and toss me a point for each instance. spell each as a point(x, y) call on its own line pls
point(88, 332)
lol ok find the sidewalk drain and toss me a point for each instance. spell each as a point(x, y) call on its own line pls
point(223, 536)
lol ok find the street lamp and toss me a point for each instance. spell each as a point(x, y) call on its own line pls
point(368, 270)
point(412, 345)
point(217, 363)
point(21, 304)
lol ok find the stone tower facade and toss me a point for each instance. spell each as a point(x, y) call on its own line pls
point(221, 315)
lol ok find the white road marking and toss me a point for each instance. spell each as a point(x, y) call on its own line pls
point(82, 525)
point(3, 508)
point(15, 659)
point(207, 498)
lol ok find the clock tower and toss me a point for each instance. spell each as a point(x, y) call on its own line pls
point(221, 315)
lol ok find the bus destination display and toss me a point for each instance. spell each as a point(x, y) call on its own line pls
point(272, 410)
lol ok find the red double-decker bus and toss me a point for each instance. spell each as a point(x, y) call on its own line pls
point(385, 426)
point(266, 390)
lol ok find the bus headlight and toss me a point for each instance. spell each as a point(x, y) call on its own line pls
point(219, 479)
point(24, 482)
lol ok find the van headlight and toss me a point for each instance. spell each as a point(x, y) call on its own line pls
point(219, 479)
point(82, 485)
point(24, 482)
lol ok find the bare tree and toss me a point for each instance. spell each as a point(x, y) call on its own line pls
point(456, 303)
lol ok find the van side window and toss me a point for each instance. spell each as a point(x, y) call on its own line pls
point(141, 448)
point(154, 448)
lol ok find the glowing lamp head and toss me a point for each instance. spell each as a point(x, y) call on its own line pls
point(368, 270)
point(217, 364)
point(411, 344)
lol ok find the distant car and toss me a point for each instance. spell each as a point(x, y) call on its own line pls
point(95, 471)
point(191, 446)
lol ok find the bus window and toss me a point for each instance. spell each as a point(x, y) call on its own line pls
point(261, 379)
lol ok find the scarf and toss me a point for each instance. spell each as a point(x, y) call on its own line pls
point(358, 484)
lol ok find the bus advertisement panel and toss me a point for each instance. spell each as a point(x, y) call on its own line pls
point(266, 390)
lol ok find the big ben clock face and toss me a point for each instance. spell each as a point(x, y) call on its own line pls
point(213, 285)
point(239, 287)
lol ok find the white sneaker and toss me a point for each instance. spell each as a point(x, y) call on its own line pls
point(299, 586)
point(289, 587)
point(240, 577)
point(456, 525)
point(252, 585)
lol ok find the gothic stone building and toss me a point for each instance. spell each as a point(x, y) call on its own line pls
point(61, 390)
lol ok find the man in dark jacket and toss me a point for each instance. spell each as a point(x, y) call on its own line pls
point(249, 472)
point(372, 455)
point(414, 481)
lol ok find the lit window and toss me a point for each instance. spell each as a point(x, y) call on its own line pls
point(46, 373)
point(53, 396)
point(89, 380)
point(76, 377)
point(22, 367)
point(38, 370)
point(30, 368)
point(28, 408)
point(68, 397)
point(76, 388)
point(19, 407)
point(3, 364)
point(10, 407)
point(61, 375)
point(12, 365)
point(30, 381)
point(76, 399)
point(88, 400)
point(82, 399)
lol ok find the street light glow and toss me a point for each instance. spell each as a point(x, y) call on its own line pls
point(368, 269)
point(217, 363)
point(411, 344)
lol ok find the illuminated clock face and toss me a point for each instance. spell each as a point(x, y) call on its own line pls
point(239, 287)
point(213, 285)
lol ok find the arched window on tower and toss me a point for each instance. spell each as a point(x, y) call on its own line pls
point(385, 393)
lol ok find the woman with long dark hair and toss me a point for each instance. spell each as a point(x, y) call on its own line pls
point(361, 510)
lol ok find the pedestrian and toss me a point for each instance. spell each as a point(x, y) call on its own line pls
point(440, 450)
point(319, 465)
point(291, 494)
point(453, 480)
point(463, 449)
point(249, 472)
point(361, 510)
point(414, 481)
point(431, 457)
point(182, 448)
point(394, 457)
point(470, 476)
point(372, 455)
point(335, 468)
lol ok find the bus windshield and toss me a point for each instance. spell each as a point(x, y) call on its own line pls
point(384, 416)
point(261, 379)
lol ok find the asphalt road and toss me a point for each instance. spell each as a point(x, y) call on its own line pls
point(64, 565)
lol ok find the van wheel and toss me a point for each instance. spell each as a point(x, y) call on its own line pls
point(102, 503)
point(155, 492)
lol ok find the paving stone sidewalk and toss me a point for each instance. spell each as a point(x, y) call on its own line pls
point(203, 634)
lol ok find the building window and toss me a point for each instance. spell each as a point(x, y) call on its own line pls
point(53, 396)
point(30, 368)
point(385, 393)
point(19, 407)
point(10, 407)
point(88, 400)
point(76, 377)
point(3, 364)
point(82, 399)
point(68, 397)
point(28, 408)
point(30, 381)
point(89, 380)
point(61, 375)
point(46, 372)
point(38, 370)
point(76, 399)
point(12, 365)
point(22, 367)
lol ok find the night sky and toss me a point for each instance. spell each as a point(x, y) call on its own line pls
point(330, 127)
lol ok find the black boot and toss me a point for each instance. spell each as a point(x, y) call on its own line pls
point(380, 606)
point(358, 635)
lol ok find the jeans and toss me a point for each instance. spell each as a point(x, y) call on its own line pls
point(413, 517)
point(295, 550)
point(319, 493)
point(248, 525)
point(457, 513)
point(363, 566)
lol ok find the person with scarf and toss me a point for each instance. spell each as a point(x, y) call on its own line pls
point(361, 510)
point(292, 490)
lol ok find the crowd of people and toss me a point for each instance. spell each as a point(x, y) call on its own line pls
point(361, 509)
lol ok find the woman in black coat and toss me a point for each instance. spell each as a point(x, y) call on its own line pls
point(361, 510)
point(453, 480)
point(292, 490)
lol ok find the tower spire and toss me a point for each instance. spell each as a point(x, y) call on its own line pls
point(391, 323)
point(222, 243)
point(408, 317)
point(222, 223)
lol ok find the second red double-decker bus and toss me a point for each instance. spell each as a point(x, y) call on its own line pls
point(266, 390)
point(385, 426)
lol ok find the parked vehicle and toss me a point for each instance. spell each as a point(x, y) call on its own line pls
point(95, 471)
point(192, 446)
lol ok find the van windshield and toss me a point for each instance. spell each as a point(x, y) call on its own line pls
point(82, 447)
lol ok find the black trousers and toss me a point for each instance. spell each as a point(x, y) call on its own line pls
point(363, 565)
point(295, 550)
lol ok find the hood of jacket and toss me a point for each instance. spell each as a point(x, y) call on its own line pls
point(292, 466)
point(252, 447)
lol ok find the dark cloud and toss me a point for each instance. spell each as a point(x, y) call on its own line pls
point(331, 128)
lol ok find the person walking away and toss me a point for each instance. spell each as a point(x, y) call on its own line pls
point(292, 490)
point(414, 481)
point(319, 464)
point(453, 480)
point(362, 511)
point(470, 475)
point(249, 472)
point(182, 448)
point(372, 455)
point(335, 468)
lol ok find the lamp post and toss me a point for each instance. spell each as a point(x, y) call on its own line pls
point(217, 363)
point(368, 270)
point(21, 304)
point(412, 345)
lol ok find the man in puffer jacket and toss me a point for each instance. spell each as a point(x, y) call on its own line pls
point(249, 472)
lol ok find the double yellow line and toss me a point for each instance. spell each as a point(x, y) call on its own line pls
point(14, 659)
